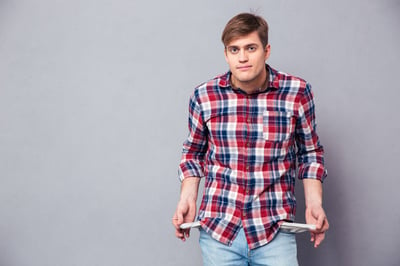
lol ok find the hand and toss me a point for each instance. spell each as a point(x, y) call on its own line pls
point(185, 213)
point(316, 215)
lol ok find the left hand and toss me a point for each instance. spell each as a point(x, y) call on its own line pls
point(316, 215)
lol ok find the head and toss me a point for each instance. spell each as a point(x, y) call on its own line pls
point(244, 24)
point(245, 38)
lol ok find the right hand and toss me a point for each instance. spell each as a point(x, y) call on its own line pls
point(316, 215)
point(185, 213)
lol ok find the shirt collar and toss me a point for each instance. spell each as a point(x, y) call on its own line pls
point(273, 81)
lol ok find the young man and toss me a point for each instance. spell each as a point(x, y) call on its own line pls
point(247, 128)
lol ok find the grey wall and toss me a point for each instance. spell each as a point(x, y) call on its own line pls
point(93, 106)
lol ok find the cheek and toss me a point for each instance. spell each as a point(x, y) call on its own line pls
point(231, 65)
point(261, 64)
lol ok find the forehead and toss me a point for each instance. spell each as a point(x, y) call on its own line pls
point(248, 39)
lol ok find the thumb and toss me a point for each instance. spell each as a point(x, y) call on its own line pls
point(320, 221)
point(179, 215)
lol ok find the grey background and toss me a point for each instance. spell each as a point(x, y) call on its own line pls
point(93, 111)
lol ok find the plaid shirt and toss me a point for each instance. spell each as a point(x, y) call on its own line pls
point(246, 145)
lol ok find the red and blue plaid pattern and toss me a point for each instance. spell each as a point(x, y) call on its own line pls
point(246, 148)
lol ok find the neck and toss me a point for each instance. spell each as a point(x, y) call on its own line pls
point(252, 86)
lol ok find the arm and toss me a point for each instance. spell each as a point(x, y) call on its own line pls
point(315, 214)
point(311, 166)
point(310, 153)
point(190, 170)
point(186, 209)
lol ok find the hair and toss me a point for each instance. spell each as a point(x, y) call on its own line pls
point(244, 24)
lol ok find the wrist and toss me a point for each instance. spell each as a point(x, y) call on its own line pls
point(314, 204)
point(188, 197)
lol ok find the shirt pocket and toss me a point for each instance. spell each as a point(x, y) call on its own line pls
point(277, 126)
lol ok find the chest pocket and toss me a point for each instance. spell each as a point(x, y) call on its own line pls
point(277, 126)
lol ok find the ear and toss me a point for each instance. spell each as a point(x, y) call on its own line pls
point(267, 51)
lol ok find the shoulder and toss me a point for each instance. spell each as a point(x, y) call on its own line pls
point(291, 88)
point(212, 86)
point(285, 81)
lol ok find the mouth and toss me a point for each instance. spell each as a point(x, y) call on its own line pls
point(243, 68)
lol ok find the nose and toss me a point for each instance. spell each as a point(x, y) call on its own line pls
point(243, 55)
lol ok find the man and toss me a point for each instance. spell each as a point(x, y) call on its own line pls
point(247, 128)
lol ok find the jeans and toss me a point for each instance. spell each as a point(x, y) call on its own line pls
point(281, 251)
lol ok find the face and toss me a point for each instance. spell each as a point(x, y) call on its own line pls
point(246, 58)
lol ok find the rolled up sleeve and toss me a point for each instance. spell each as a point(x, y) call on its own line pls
point(310, 151)
point(194, 147)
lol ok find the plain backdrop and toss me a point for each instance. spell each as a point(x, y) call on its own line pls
point(93, 113)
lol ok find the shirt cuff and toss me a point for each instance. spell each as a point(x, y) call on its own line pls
point(189, 170)
point(313, 171)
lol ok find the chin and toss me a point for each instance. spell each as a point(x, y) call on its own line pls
point(245, 79)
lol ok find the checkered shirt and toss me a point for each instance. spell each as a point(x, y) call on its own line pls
point(246, 146)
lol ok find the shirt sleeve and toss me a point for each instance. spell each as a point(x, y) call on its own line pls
point(195, 146)
point(310, 151)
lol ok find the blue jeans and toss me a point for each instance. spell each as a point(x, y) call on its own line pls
point(281, 251)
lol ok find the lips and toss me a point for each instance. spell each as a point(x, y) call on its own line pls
point(243, 68)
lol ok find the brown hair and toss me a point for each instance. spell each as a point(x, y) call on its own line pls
point(244, 24)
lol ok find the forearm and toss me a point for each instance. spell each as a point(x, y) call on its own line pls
point(315, 214)
point(312, 192)
point(186, 209)
point(189, 188)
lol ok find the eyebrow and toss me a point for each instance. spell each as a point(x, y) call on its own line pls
point(247, 45)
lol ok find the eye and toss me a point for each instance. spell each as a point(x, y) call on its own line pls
point(251, 48)
point(233, 50)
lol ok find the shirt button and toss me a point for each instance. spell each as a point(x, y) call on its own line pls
point(244, 214)
point(247, 167)
point(247, 191)
point(248, 120)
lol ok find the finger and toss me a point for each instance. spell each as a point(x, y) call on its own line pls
point(187, 233)
point(326, 225)
point(175, 219)
point(175, 223)
point(318, 239)
point(179, 233)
